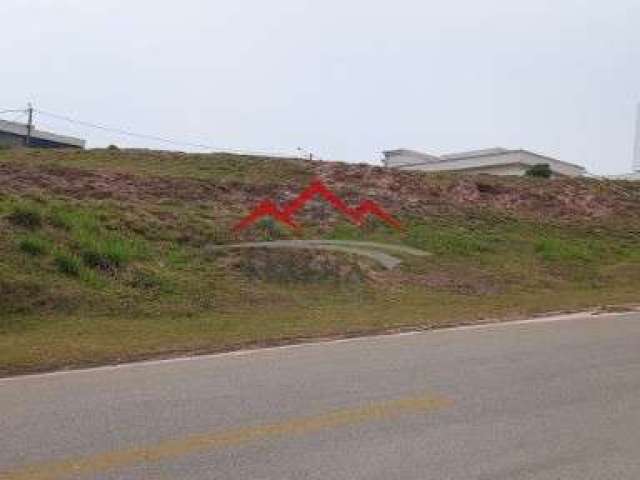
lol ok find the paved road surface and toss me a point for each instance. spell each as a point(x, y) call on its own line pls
point(553, 400)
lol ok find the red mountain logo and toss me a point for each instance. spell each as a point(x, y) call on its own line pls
point(268, 208)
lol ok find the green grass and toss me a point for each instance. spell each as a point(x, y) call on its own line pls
point(67, 264)
point(109, 251)
point(34, 244)
point(135, 297)
point(85, 279)
point(74, 340)
point(450, 240)
point(558, 250)
point(62, 217)
point(223, 167)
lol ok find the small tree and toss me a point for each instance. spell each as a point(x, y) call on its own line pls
point(541, 170)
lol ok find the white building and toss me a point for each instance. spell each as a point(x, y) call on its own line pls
point(494, 161)
point(629, 176)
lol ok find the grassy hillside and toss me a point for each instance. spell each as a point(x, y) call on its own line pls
point(108, 255)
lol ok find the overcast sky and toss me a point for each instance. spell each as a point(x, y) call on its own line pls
point(345, 79)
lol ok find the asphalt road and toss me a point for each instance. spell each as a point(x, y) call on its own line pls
point(539, 400)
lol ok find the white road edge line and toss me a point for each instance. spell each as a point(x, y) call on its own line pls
point(254, 351)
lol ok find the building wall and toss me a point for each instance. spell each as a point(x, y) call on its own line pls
point(14, 134)
point(513, 169)
point(44, 143)
point(10, 140)
point(399, 158)
point(509, 169)
point(629, 176)
point(514, 162)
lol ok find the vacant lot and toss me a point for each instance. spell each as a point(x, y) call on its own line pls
point(107, 255)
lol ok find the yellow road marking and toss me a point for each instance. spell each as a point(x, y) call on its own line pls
point(198, 443)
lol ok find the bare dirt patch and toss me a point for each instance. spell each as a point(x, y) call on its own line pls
point(408, 193)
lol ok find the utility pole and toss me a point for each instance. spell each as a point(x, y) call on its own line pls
point(308, 153)
point(29, 124)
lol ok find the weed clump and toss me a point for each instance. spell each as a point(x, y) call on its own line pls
point(109, 253)
point(270, 230)
point(34, 245)
point(103, 260)
point(541, 170)
point(27, 217)
point(67, 264)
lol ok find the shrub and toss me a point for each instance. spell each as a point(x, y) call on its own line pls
point(106, 260)
point(60, 220)
point(270, 230)
point(113, 147)
point(67, 264)
point(34, 245)
point(27, 217)
point(109, 253)
point(541, 170)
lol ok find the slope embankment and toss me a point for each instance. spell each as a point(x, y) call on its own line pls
point(115, 255)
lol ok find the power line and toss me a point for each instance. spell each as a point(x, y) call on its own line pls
point(16, 116)
point(156, 138)
point(122, 131)
point(22, 110)
point(12, 115)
